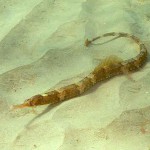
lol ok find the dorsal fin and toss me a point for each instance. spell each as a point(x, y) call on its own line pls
point(110, 60)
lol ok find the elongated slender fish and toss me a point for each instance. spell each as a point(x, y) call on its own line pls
point(109, 67)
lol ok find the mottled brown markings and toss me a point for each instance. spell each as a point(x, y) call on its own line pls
point(110, 67)
point(81, 87)
point(109, 34)
point(87, 82)
point(52, 97)
point(68, 92)
point(135, 39)
point(121, 34)
point(92, 78)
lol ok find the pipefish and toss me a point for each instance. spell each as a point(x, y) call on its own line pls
point(109, 67)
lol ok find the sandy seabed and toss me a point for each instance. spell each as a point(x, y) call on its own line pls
point(42, 47)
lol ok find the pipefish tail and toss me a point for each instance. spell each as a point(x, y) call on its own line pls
point(109, 67)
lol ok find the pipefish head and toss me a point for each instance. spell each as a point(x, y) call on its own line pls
point(34, 101)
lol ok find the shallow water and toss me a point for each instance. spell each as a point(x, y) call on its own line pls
point(42, 48)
